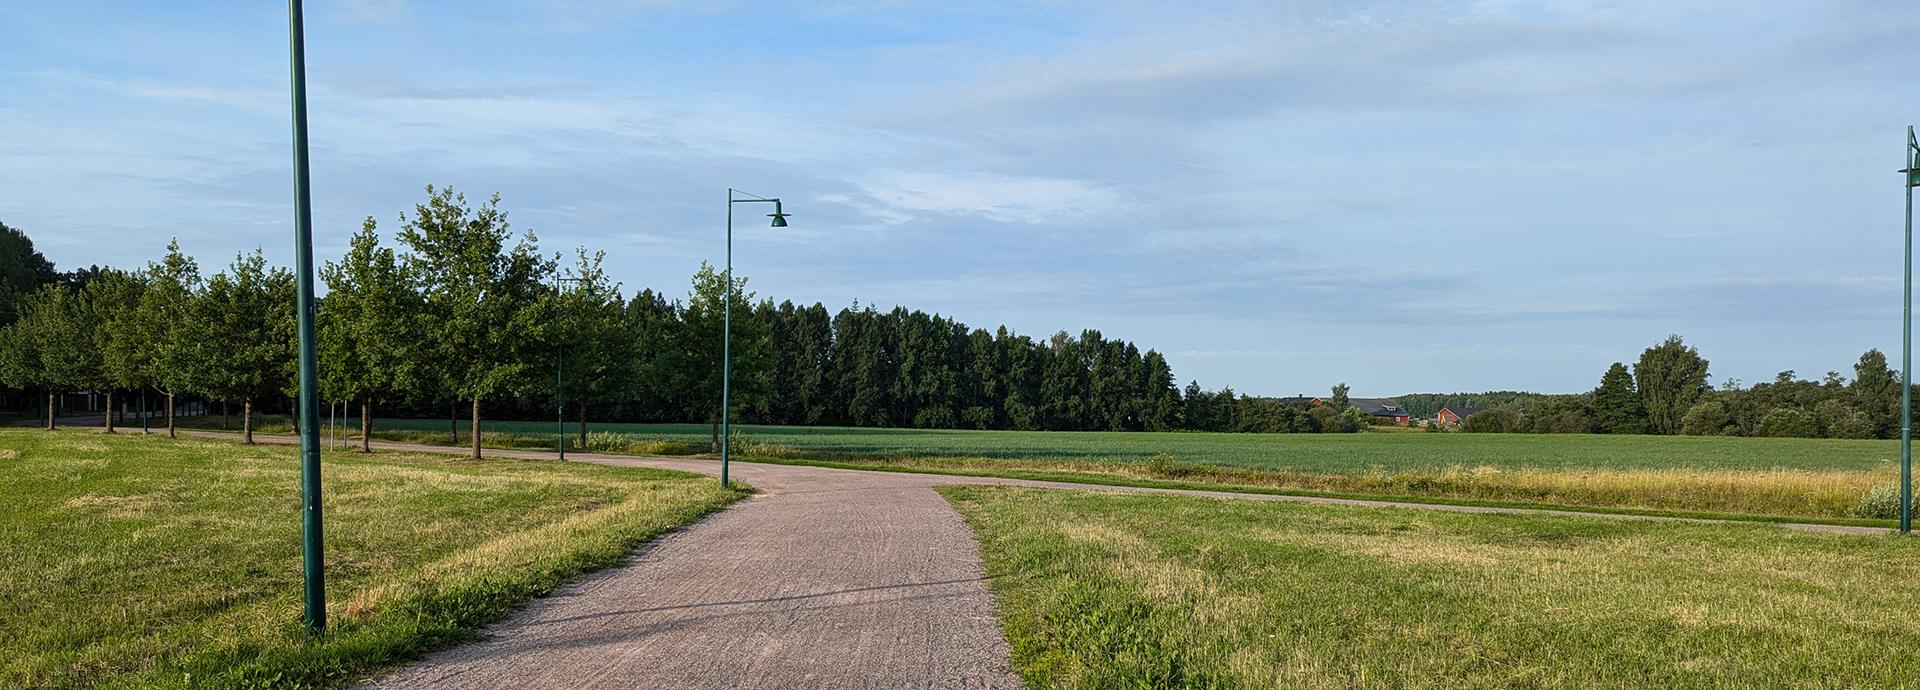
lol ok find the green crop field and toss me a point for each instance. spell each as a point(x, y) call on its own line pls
point(138, 562)
point(1127, 591)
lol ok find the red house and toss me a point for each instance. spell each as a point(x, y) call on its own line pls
point(1448, 416)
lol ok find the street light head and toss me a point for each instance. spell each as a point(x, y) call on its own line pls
point(779, 219)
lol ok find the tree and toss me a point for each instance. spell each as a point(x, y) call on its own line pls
point(1026, 364)
point(69, 353)
point(654, 324)
point(1671, 377)
point(1876, 392)
point(1787, 422)
point(243, 328)
point(1339, 401)
point(694, 363)
point(1560, 416)
point(22, 271)
point(482, 295)
point(1494, 421)
point(20, 343)
point(368, 335)
point(1617, 408)
point(126, 362)
point(161, 325)
point(1160, 408)
point(1837, 419)
point(1705, 418)
point(590, 328)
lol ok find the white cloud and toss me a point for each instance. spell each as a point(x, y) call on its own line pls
point(995, 197)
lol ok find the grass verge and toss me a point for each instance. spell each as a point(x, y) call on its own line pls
point(141, 562)
point(1136, 591)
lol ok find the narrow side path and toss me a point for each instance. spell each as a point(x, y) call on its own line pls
point(783, 472)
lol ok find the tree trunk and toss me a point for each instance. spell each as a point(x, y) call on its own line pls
point(453, 423)
point(246, 419)
point(53, 410)
point(108, 417)
point(144, 430)
point(170, 432)
point(475, 431)
point(583, 425)
point(366, 426)
point(225, 419)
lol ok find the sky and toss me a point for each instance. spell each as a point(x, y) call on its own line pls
point(1408, 196)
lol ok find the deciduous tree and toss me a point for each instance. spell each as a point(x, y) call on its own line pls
point(1671, 377)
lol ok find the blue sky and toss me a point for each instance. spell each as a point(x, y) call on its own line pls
point(1406, 196)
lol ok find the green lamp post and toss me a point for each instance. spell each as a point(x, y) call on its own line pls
point(560, 380)
point(1912, 173)
point(726, 328)
point(312, 557)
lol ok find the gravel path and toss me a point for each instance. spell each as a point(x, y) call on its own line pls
point(822, 580)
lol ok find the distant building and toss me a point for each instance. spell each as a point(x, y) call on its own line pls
point(1378, 408)
point(1453, 416)
point(1382, 408)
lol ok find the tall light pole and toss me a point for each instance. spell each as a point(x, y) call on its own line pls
point(726, 328)
point(560, 379)
point(1912, 173)
point(312, 556)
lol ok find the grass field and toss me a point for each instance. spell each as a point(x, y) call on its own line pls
point(1780, 477)
point(137, 562)
point(1313, 453)
point(1119, 591)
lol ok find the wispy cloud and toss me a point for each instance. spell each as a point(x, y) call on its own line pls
point(1386, 193)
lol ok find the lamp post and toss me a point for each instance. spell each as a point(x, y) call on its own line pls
point(312, 558)
point(560, 379)
point(1912, 173)
point(726, 328)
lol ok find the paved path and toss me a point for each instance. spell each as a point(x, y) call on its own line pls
point(822, 580)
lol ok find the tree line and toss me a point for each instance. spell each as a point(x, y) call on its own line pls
point(458, 314)
point(1667, 391)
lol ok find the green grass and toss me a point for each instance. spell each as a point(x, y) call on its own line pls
point(1800, 479)
point(1125, 591)
point(1315, 453)
point(136, 562)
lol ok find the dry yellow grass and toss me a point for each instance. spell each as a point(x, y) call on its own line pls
point(1787, 492)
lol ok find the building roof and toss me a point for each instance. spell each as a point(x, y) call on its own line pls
point(1379, 407)
point(1299, 400)
point(1463, 411)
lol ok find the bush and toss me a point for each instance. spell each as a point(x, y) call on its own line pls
point(1786, 422)
point(1705, 419)
point(1572, 422)
point(1882, 501)
point(1840, 420)
point(607, 442)
point(1348, 421)
point(1493, 422)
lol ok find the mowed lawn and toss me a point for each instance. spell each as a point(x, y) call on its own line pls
point(1126, 591)
point(141, 562)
